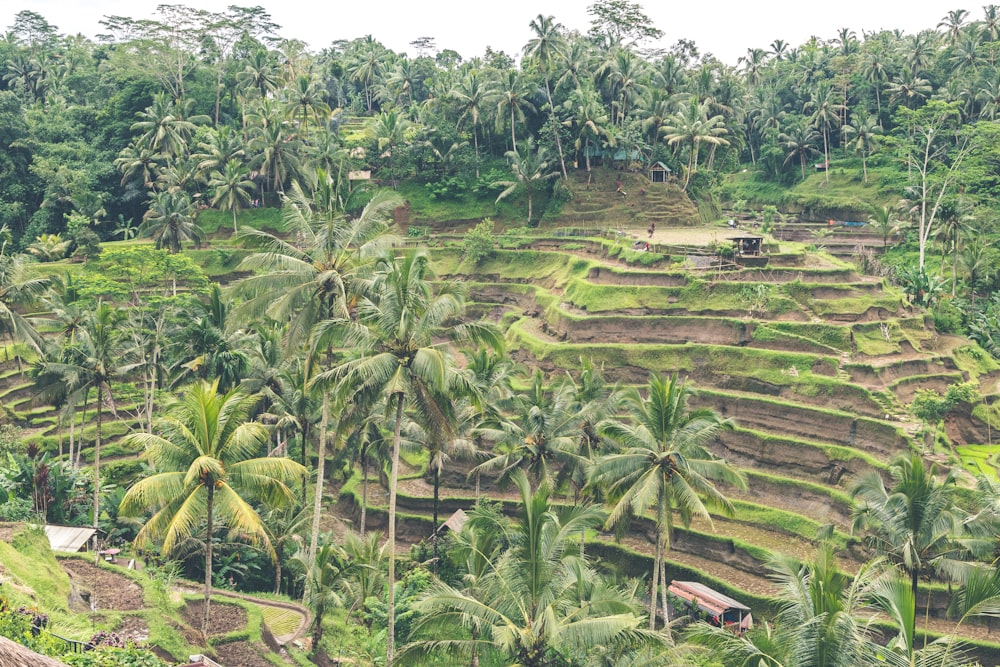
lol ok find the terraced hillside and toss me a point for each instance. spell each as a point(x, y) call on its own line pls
point(815, 364)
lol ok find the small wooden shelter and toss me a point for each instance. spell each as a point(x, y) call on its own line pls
point(748, 245)
point(455, 522)
point(719, 610)
point(659, 172)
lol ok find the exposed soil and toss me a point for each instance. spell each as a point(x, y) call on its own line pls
point(106, 589)
point(240, 654)
point(133, 627)
point(223, 618)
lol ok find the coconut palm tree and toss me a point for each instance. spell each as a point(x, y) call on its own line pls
point(474, 95)
point(543, 434)
point(93, 361)
point(819, 623)
point(304, 101)
point(664, 465)
point(232, 188)
point(400, 339)
point(17, 290)
point(546, 48)
point(531, 169)
point(171, 220)
point(211, 465)
point(693, 127)
point(886, 220)
point(513, 96)
point(799, 140)
point(915, 522)
point(536, 599)
point(862, 134)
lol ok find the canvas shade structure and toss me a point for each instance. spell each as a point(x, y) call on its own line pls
point(68, 539)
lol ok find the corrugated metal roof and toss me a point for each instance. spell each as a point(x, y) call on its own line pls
point(705, 595)
point(455, 522)
point(68, 539)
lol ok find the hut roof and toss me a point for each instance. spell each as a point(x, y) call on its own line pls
point(68, 539)
point(13, 654)
point(455, 522)
point(706, 597)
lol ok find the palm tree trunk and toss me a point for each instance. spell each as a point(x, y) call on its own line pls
point(208, 560)
point(97, 463)
point(655, 585)
point(513, 138)
point(72, 431)
point(434, 535)
point(277, 571)
point(394, 476)
point(364, 489)
point(318, 495)
point(555, 129)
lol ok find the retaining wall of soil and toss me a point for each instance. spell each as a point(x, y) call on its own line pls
point(747, 449)
point(879, 439)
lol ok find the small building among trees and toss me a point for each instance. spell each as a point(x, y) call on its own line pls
point(659, 172)
point(717, 609)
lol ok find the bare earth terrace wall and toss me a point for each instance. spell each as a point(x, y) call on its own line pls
point(879, 439)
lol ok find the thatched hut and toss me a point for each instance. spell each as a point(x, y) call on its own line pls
point(13, 654)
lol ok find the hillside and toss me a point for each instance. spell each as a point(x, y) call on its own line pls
point(815, 364)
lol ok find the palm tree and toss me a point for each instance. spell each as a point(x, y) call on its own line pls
point(164, 128)
point(17, 290)
point(93, 361)
point(545, 48)
point(915, 522)
point(862, 134)
point(587, 117)
point(664, 464)
point(531, 168)
point(232, 188)
point(800, 141)
point(819, 619)
point(542, 436)
point(399, 338)
point(329, 572)
point(259, 73)
point(533, 600)
point(886, 220)
point(171, 220)
point(210, 467)
point(693, 127)
point(474, 95)
point(389, 129)
point(304, 100)
point(313, 280)
point(826, 111)
point(513, 95)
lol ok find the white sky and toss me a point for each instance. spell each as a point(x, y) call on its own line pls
point(723, 27)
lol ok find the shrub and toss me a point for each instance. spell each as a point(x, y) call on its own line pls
point(480, 242)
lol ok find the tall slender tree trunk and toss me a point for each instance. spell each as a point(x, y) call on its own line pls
point(555, 128)
point(97, 463)
point(72, 431)
point(364, 489)
point(318, 494)
point(208, 558)
point(393, 477)
point(513, 138)
point(655, 585)
point(434, 535)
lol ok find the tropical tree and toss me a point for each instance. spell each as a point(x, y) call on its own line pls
point(862, 134)
point(329, 573)
point(211, 466)
point(545, 49)
point(400, 340)
point(664, 464)
point(531, 602)
point(799, 140)
point(693, 127)
point(474, 95)
point(232, 188)
point(531, 169)
point(819, 622)
point(92, 361)
point(304, 102)
point(18, 290)
point(171, 220)
point(513, 97)
point(915, 522)
point(886, 220)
